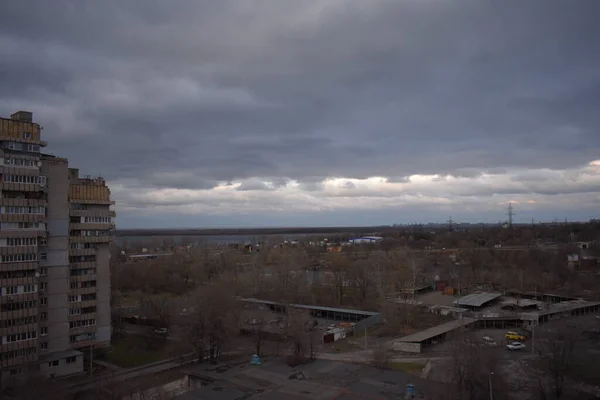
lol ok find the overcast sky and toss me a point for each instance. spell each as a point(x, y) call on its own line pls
point(222, 113)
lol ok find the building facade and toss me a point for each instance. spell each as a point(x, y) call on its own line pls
point(55, 232)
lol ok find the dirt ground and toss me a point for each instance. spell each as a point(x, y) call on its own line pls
point(436, 298)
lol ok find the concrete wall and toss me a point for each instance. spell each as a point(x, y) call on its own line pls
point(63, 369)
point(407, 347)
point(57, 249)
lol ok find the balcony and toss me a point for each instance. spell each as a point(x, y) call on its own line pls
point(22, 187)
point(82, 265)
point(22, 232)
point(18, 266)
point(26, 312)
point(23, 202)
point(83, 278)
point(23, 344)
point(86, 290)
point(8, 250)
point(16, 298)
point(82, 252)
point(93, 213)
point(26, 280)
point(81, 317)
point(92, 226)
point(83, 343)
point(29, 358)
point(91, 239)
point(33, 327)
point(22, 217)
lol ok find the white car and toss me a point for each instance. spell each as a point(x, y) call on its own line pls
point(515, 346)
point(161, 331)
point(488, 341)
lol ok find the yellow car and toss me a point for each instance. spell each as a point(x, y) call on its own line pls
point(514, 336)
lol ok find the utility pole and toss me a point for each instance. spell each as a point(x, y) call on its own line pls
point(91, 362)
point(490, 382)
point(533, 339)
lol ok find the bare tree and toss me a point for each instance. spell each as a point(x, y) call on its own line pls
point(209, 320)
point(473, 364)
point(301, 335)
point(258, 319)
point(381, 355)
point(557, 351)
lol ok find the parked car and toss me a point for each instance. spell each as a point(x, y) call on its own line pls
point(161, 331)
point(514, 346)
point(488, 341)
point(515, 336)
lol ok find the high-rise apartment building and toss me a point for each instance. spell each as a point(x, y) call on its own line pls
point(55, 232)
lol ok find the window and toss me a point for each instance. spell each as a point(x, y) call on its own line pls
point(54, 363)
point(43, 286)
point(28, 273)
point(82, 323)
point(83, 336)
point(97, 220)
point(43, 242)
point(44, 316)
point(16, 372)
point(26, 135)
point(33, 148)
point(43, 256)
point(19, 337)
point(12, 354)
point(43, 301)
point(21, 289)
point(44, 346)
point(10, 258)
point(43, 271)
point(10, 242)
point(71, 360)
point(22, 305)
point(21, 162)
point(7, 323)
point(74, 311)
point(43, 331)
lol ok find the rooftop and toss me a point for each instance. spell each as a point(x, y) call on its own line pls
point(436, 330)
point(309, 307)
point(476, 299)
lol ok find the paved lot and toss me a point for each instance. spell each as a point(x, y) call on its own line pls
point(319, 380)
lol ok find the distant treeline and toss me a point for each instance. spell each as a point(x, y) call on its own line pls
point(363, 230)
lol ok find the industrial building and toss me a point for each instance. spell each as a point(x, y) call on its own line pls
point(55, 231)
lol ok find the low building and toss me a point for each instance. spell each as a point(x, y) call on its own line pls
point(475, 301)
point(365, 239)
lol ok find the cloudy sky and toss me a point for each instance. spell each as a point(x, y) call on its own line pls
point(222, 113)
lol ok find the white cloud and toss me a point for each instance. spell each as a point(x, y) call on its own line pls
point(558, 188)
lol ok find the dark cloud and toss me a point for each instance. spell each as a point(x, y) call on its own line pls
point(235, 90)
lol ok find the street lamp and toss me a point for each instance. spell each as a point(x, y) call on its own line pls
point(490, 381)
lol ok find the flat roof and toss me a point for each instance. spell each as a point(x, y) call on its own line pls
point(437, 330)
point(57, 355)
point(522, 302)
point(476, 299)
point(309, 307)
